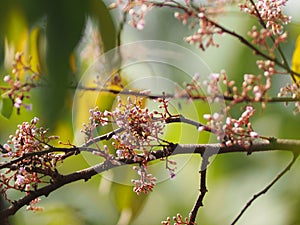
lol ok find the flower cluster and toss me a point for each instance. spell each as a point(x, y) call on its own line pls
point(178, 219)
point(204, 36)
point(212, 92)
point(28, 138)
point(138, 127)
point(171, 166)
point(270, 12)
point(233, 131)
point(212, 85)
point(140, 124)
point(29, 169)
point(23, 80)
point(291, 90)
point(254, 83)
point(254, 87)
point(259, 37)
point(215, 122)
point(267, 66)
point(97, 118)
point(33, 207)
point(138, 130)
point(240, 131)
point(137, 10)
point(146, 182)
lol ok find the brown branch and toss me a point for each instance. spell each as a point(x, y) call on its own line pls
point(85, 175)
point(262, 22)
point(193, 12)
point(266, 189)
point(202, 191)
point(206, 150)
point(182, 119)
point(186, 96)
point(103, 137)
point(40, 153)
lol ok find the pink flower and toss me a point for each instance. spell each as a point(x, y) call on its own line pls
point(20, 180)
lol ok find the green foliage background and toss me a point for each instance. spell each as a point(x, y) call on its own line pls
point(51, 31)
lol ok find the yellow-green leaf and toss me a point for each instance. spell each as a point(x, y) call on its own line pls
point(296, 61)
point(6, 107)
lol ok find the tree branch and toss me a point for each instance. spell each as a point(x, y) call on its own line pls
point(266, 189)
point(186, 96)
point(85, 175)
point(206, 150)
point(202, 192)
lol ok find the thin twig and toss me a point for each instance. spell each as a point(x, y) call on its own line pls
point(121, 28)
point(103, 137)
point(182, 119)
point(202, 191)
point(261, 21)
point(244, 41)
point(266, 189)
point(186, 96)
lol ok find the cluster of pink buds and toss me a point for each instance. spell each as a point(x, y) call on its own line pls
point(178, 220)
point(182, 17)
point(137, 10)
point(213, 91)
point(291, 90)
point(260, 37)
point(215, 122)
point(96, 119)
point(141, 125)
point(267, 66)
point(33, 207)
point(254, 83)
point(28, 170)
point(233, 131)
point(254, 87)
point(25, 180)
point(269, 11)
point(28, 138)
point(204, 36)
point(240, 131)
point(146, 182)
point(23, 80)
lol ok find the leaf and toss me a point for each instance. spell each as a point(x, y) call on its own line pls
point(65, 23)
point(125, 199)
point(296, 61)
point(6, 107)
point(99, 11)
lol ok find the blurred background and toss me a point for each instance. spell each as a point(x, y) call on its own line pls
point(64, 38)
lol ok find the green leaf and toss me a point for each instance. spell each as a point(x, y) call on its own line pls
point(126, 200)
point(99, 11)
point(6, 107)
point(65, 24)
